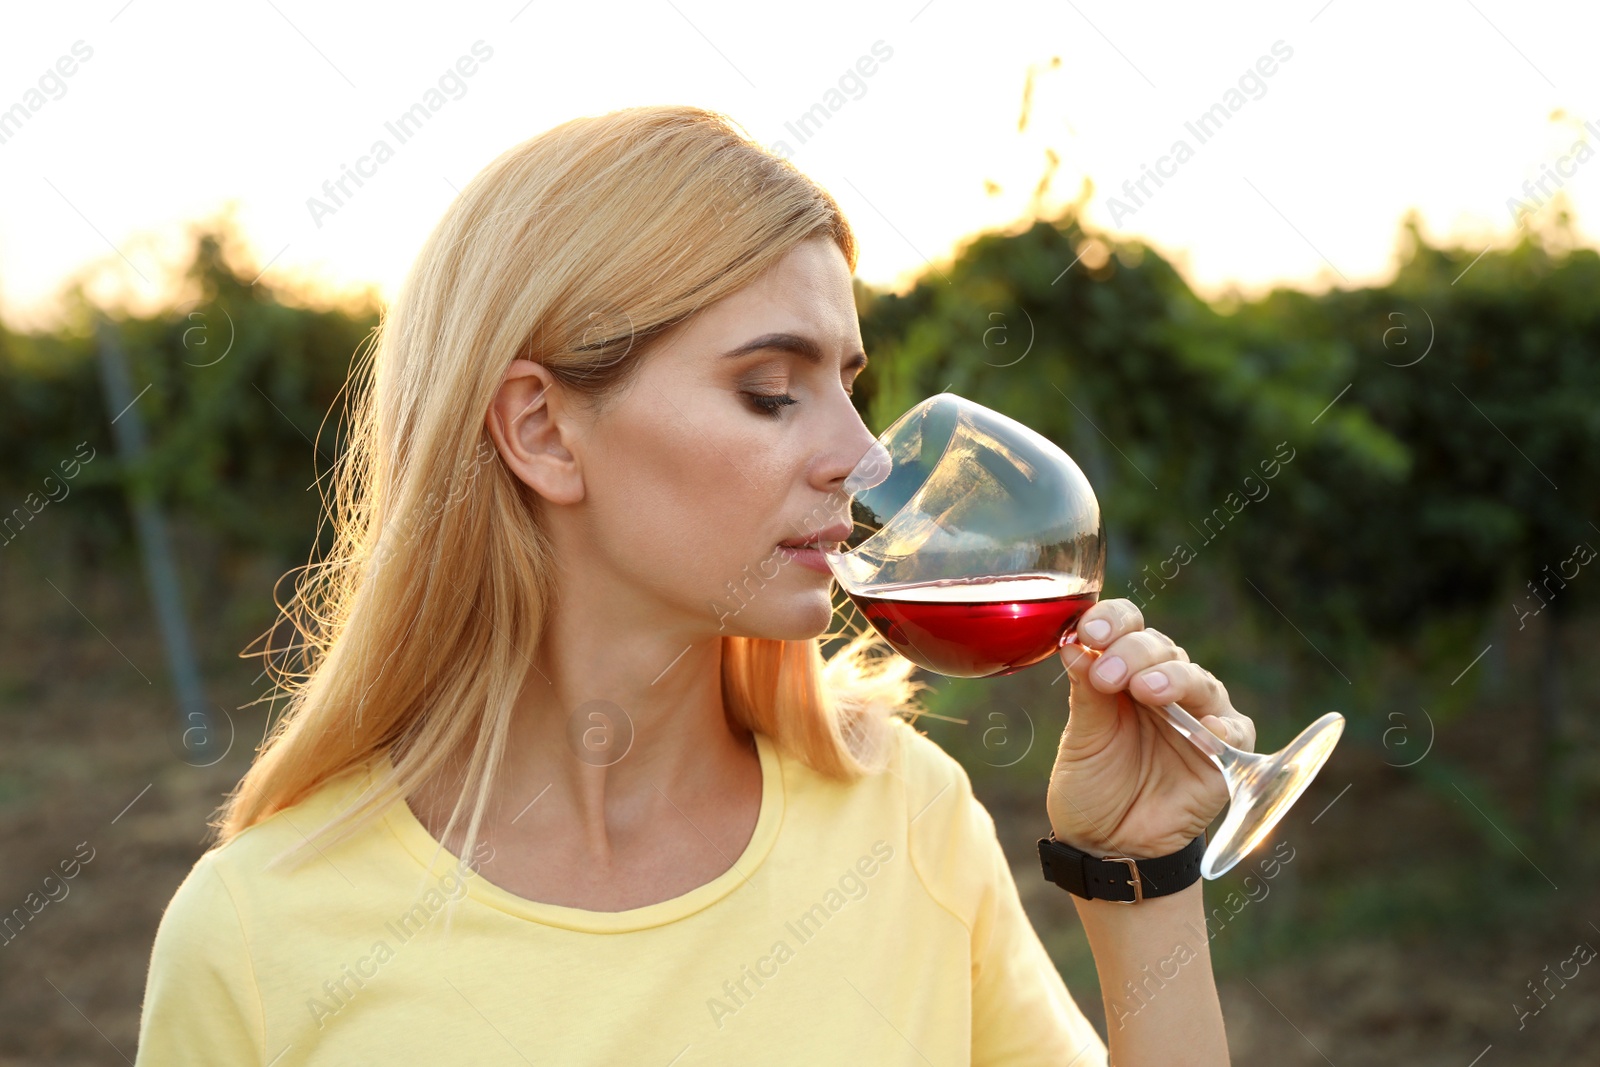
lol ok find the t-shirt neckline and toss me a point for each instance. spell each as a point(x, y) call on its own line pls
point(426, 849)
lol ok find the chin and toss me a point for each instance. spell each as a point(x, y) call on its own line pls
point(795, 616)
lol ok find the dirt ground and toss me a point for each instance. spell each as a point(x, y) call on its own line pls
point(87, 774)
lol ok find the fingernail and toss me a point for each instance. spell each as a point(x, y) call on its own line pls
point(1156, 681)
point(1111, 669)
point(1068, 638)
point(1098, 629)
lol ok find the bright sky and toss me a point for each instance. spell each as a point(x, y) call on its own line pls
point(182, 108)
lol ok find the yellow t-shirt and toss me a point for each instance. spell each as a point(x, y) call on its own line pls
point(869, 923)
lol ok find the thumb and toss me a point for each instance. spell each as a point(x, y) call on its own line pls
point(1091, 713)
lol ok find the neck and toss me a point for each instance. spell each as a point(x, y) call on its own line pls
point(609, 741)
point(633, 722)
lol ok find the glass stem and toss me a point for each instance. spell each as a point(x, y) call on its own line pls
point(1220, 752)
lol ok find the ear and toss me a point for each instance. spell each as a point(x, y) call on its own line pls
point(532, 426)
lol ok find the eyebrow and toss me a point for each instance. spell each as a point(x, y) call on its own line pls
point(804, 347)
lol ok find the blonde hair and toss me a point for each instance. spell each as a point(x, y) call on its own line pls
point(574, 249)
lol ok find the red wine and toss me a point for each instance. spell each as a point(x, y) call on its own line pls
point(977, 627)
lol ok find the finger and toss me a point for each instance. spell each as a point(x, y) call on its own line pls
point(1090, 713)
point(1236, 729)
point(1077, 658)
point(1127, 656)
point(1177, 649)
point(1187, 684)
point(1108, 620)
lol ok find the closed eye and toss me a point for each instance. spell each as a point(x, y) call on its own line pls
point(771, 403)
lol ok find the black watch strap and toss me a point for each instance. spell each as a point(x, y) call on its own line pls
point(1118, 878)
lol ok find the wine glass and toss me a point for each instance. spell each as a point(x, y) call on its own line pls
point(978, 543)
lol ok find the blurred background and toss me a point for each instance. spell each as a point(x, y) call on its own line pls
point(1307, 290)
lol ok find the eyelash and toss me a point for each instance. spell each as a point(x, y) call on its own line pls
point(769, 403)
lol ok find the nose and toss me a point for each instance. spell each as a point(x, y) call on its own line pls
point(851, 458)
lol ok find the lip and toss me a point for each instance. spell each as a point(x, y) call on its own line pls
point(807, 549)
point(809, 556)
point(828, 535)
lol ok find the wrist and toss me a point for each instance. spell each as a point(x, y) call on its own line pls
point(1117, 878)
point(1100, 850)
point(1094, 845)
point(1111, 915)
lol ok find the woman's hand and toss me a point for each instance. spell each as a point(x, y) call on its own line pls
point(1125, 782)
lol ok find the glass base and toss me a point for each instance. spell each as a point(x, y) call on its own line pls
point(1266, 790)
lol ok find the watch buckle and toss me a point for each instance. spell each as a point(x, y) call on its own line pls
point(1133, 877)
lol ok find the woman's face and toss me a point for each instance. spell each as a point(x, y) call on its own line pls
point(736, 435)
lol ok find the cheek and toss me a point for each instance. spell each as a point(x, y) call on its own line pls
point(686, 503)
point(654, 490)
point(688, 507)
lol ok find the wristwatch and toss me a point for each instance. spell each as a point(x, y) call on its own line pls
point(1119, 878)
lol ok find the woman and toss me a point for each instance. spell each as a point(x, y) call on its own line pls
point(564, 777)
